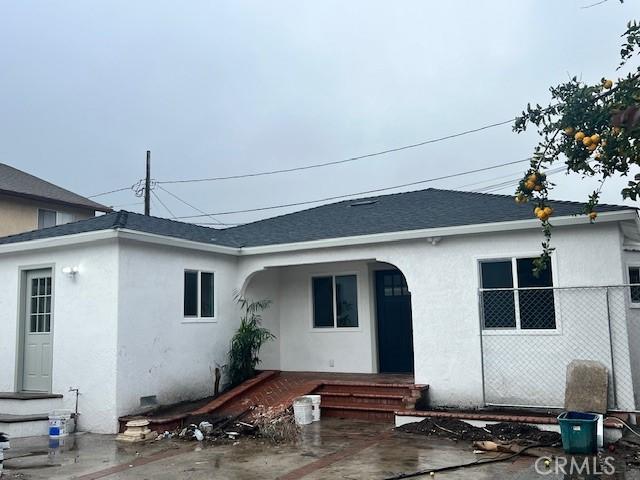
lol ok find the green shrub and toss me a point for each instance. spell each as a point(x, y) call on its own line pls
point(247, 341)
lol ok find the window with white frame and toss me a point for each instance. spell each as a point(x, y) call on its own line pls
point(199, 298)
point(335, 301)
point(51, 218)
point(514, 298)
point(634, 280)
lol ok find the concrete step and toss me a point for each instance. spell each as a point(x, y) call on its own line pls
point(17, 426)
point(28, 403)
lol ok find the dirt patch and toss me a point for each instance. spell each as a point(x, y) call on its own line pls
point(459, 430)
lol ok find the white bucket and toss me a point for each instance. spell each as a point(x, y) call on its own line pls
point(315, 402)
point(303, 410)
point(60, 423)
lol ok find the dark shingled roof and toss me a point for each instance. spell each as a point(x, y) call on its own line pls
point(431, 208)
point(19, 183)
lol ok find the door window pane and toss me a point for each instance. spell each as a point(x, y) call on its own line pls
point(347, 301)
point(206, 295)
point(537, 307)
point(46, 218)
point(323, 302)
point(498, 307)
point(190, 294)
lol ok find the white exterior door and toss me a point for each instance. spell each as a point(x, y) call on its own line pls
point(38, 325)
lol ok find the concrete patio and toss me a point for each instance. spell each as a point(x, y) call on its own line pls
point(331, 449)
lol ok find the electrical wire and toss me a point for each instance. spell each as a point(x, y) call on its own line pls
point(365, 192)
point(127, 205)
point(338, 162)
point(111, 191)
point(162, 203)
point(514, 181)
point(189, 205)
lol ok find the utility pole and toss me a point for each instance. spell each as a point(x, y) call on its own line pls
point(147, 186)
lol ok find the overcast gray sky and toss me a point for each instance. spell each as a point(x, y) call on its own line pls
point(229, 87)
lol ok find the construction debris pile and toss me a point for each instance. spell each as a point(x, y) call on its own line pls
point(499, 432)
point(274, 424)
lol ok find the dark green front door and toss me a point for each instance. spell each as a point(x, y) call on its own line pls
point(395, 336)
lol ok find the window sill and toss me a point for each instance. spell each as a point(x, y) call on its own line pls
point(634, 305)
point(335, 329)
point(199, 320)
point(523, 332)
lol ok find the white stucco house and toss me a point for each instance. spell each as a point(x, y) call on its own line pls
point(436, 283)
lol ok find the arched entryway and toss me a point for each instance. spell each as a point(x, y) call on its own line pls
point(394, 321)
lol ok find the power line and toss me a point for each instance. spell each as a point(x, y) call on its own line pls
point(338, 162)
point(189, 205)
point(110, 191)
point(336, 197)
point(514, 181)
point(161, 202)
point(127, 205)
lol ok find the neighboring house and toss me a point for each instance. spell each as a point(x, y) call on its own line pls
point(28, 203)
point(433, 282)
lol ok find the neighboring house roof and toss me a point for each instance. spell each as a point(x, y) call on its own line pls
point(18, 183)
point(423, 209)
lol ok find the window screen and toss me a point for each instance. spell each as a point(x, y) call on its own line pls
point(498, 306)
point(190, 294)
point(347, 301)
point(46, 218)
point(206, 295)
point(537, 307)
point(323, 302)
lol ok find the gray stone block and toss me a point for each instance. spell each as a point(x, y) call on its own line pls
point(586, 388)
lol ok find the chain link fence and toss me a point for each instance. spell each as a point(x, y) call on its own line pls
point(530, 335)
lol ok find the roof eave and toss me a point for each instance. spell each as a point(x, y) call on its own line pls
point(615, 216)
point(96, 207)
point(108, 233)
point(433, 233)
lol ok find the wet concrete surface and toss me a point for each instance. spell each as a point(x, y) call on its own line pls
point(331, 449)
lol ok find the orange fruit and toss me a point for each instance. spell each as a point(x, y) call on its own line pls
point(548, 211)
point(595, 138)
point(593, 216)
point(579, 136)
point(607, 84)
point(569, 131)
point(586, 141)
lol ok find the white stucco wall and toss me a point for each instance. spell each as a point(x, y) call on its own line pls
point(265, 284)
point(303, 348)
point(84, 327)
point(159, 351)
point(443, 280)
